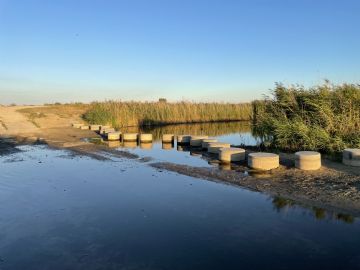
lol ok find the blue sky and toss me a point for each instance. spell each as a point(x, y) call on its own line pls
point(199, 50)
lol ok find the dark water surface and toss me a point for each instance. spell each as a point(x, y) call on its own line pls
point(63, 212)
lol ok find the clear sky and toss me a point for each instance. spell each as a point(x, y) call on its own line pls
point(201, 50)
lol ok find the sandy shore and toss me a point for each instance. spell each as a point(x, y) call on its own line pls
point(335, 187)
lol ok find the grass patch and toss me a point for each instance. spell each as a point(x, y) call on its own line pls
point(122, 114)
point(324, 118)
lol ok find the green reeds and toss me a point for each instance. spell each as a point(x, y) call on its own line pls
point(324, 118)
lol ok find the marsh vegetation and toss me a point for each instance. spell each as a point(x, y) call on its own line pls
point(324, 118)
point(121, 114)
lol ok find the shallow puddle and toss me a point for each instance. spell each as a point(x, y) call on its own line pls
point(59, 211)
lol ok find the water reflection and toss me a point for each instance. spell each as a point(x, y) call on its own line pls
point(283, 205)
point(130, 144)
point(146, 145)
point(226, 167)
point(126, 215)
point(183, 148)
point(167, 146)
point(210, 129)
point(113, 144)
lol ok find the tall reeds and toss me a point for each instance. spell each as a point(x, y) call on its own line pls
point(121, 114)
point(324, 118)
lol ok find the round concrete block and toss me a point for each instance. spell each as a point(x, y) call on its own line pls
point(146, 145)
point(127, 137)
point(228, 155)
point(167, 146)
point(183, 139)
point(104, 127)
point(113, 136)
point(95, 127)
point(351, 157)
point(196, 141)
point(308, 160)
point(263, 161)
point(145, 137)
point(77, 125)
point(106, 131)
point(168, 138)
point(84, 127)
point(214, 147)
point(205, 142)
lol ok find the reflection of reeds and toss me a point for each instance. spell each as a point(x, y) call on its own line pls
point(210, 129)
point(121, 114)
point(281, 203)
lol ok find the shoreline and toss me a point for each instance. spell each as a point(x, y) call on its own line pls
point(335, 186)
point(328, 188)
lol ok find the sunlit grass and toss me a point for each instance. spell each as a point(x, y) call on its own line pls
point(121, 114)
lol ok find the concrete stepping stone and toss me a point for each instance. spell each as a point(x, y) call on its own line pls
point(351, 157)
point(106, 131)
point(145, 137)
point(263, 161)
point(214, 147)
point(232, 154)
point(95, 127)
point(183, 139)
point(196, 141)
point(128, 137)
point(168, 138)
point(114, 136)
point(205, 142)
point(77, 125)
point(308, 160)
point(85, 127)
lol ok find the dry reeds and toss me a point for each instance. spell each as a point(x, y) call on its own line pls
point(122, 114)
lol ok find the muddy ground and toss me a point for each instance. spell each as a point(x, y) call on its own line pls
point(335, 187)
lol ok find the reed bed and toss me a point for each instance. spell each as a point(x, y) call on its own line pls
point(121, 114)
point(325, 118)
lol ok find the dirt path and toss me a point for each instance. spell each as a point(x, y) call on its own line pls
point(13, 122)
point(42, 123)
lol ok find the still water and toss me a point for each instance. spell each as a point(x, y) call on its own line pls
point(235, 133)
point(59, 211)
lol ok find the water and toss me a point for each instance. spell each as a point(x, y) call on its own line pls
point(236, 133)
point(58, 211)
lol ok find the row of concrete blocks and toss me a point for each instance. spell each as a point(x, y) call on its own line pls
point(112, 135)
point(304, 160)
point(228, 154)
